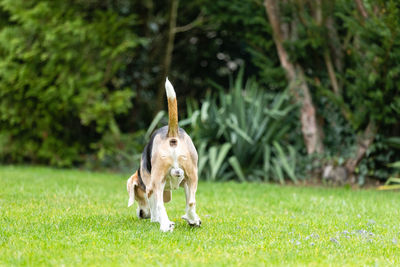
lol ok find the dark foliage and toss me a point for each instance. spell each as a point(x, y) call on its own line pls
point(80, 81)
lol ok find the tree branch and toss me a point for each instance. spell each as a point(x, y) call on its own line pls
point(168, 53)
point(190, 25)
point(334, 44)
point(331, 72)
point(318, 12)
point(297, 81)
point(361, 8)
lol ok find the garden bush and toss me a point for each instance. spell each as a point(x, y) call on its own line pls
point(60, 90)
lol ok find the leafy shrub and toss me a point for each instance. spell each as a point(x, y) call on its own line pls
point(60, 90)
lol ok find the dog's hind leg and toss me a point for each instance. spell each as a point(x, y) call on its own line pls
point(190, 191)
point(157, 208)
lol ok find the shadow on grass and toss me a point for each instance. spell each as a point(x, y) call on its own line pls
point(115, 223)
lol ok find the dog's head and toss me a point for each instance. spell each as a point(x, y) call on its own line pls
point(135, 192)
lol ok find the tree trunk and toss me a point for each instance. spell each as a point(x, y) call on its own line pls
point(366, 138)
point(297, 83)
point(168, 54)
point(363, 143)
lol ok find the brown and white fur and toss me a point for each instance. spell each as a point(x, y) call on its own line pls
point(168, 161)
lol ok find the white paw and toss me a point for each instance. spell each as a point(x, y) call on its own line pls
point(153, 218)
point(167, 227)
point(195, 221)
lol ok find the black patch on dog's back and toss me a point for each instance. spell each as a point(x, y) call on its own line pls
point(146, 155)
point(141, 184)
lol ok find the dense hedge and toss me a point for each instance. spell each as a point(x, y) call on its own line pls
point(60, 88)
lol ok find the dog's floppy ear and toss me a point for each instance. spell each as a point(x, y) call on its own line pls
point(130, 186)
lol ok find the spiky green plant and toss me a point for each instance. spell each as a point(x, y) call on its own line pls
point(241, 134)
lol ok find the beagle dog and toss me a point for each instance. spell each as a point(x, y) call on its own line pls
point(168, 161)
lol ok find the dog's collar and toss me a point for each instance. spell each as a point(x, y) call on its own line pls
point(141, 184)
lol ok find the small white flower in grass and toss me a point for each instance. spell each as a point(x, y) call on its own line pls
point(313, 235)
point(334, 240)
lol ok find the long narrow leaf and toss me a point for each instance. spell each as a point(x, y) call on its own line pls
point(212, 154)
point(393, 142)
point(266, 166)
point(204, 111)
point(154, 124)
point(240, 132)
point(389, 187)
point(237, 168)
point(278, 171)
point(285, 164)
point(292, 153)
point(217, 161)
point(395, 164)
point(392, 180)
point(202, 157)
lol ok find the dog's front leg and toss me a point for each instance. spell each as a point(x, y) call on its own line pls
point(157, 208)
point(152, 204)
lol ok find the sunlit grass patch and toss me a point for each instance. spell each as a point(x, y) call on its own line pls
point(55, 217)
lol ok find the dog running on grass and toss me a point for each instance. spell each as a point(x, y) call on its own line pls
point(168, 161)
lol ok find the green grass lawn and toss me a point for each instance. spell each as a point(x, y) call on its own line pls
point(68, 217)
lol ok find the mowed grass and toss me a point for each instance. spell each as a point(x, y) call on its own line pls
point(69, 217)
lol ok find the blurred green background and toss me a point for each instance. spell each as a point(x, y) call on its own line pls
point(294, 90)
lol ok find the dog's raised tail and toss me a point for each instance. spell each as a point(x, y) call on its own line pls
point(172, 109)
